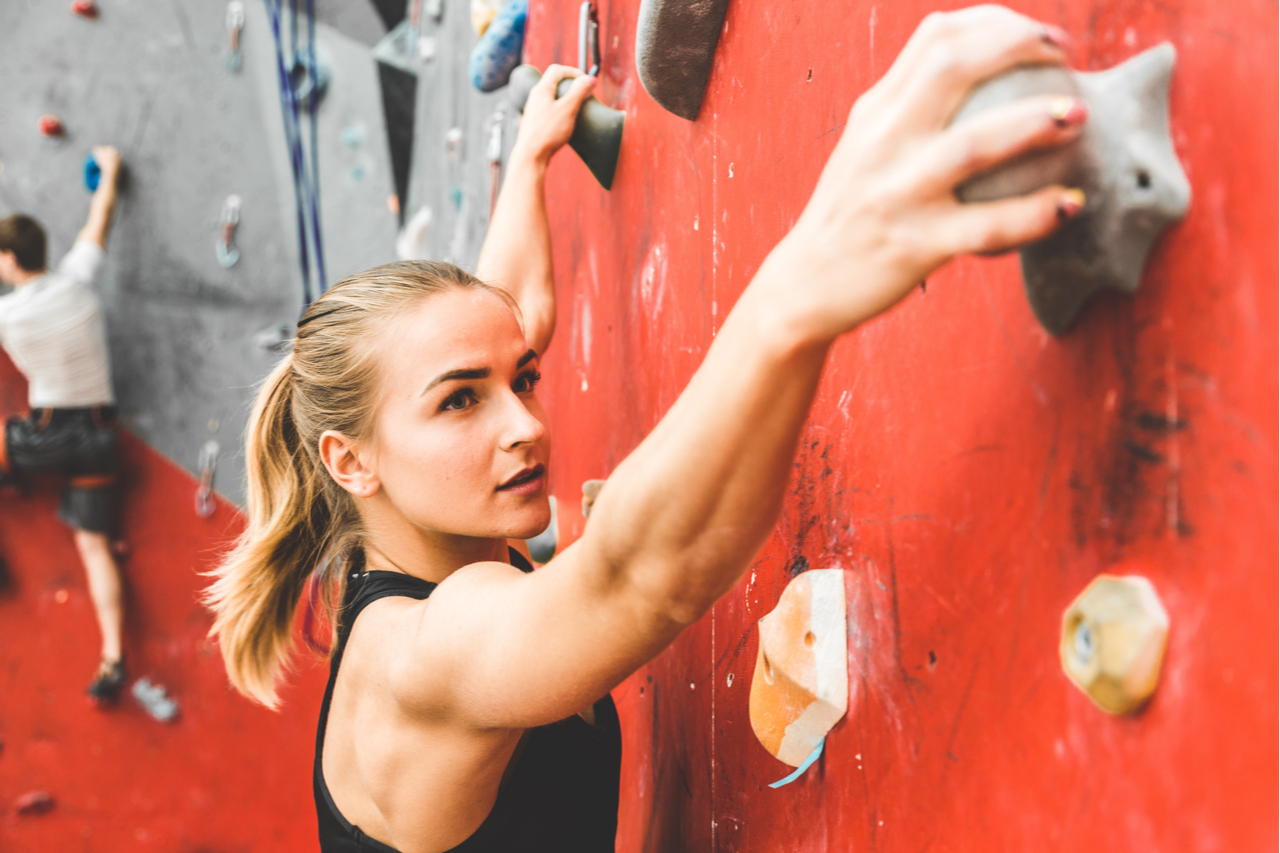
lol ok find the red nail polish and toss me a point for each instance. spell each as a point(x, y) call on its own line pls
point(1068, 111)
point(1071, 203)
point(1056, 37)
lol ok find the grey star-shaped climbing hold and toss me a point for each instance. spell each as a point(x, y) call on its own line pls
point(1125, 163)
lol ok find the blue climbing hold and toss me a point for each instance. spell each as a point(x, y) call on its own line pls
point(498, 52)
point(92, 173)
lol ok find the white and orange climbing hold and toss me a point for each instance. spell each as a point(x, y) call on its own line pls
point(800, 688)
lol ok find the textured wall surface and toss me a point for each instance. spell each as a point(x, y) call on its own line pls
point(970, 473)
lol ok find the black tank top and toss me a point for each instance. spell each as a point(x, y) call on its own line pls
point(561, 795)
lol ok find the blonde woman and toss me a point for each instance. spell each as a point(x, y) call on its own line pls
point(402, 445)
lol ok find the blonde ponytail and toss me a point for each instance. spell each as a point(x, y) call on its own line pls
point(299, 519)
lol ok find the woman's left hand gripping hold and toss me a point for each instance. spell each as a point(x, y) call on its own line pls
point(517, 250)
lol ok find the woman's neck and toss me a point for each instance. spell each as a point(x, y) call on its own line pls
point(428, 555)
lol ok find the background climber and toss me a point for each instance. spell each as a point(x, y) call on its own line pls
point(52, 327)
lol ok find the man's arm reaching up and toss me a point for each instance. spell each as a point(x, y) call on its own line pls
point(102, 207)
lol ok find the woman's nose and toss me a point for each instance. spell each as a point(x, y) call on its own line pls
point(523, 426)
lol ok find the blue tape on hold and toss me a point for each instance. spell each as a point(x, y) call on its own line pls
point(92, 173)
point(799, 771)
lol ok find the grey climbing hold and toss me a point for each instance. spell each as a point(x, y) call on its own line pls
point(154, 699)
point(522, 81)
point(675, 47)
point(1125, 163)
point(597, 134)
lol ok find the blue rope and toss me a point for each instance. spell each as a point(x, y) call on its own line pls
point(305, 184)
point(322, 279)
point(288, 111)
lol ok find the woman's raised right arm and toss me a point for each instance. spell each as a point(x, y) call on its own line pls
point(686, 513)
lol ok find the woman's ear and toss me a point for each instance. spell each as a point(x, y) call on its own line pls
point(343, 459)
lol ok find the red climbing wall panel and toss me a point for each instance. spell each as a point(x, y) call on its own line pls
point(970, 473)
point(226, 775)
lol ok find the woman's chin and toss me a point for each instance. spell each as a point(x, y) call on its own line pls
point(533, 524)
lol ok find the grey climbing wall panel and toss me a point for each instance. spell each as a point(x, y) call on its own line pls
point(455, 186)
point(150, 79)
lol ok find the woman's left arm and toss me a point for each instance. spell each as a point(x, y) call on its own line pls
point(517, 251)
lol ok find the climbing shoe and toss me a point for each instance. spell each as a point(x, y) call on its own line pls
point(108, 682)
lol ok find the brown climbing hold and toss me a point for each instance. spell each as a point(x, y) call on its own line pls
point(1113, 642)
point(800, 688)
point(590, 491)
point(34, 803)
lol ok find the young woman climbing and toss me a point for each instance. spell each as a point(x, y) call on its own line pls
point(401, 445)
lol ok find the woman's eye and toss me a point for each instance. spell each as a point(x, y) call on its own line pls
point(457, 400)
point(527, 381)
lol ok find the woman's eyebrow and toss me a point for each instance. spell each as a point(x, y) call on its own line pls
point(526, 358)
point(461, 373)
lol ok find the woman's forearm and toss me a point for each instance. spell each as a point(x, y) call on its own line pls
point(685, 514)
point(517, 251)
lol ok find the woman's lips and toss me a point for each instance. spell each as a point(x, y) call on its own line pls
point(527, 482)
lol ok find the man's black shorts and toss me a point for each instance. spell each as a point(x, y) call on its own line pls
point(80, 444)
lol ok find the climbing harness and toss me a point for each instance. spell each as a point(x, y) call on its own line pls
point(226, 249)
point(306, 177)
point(208, 468)
point(235, 26)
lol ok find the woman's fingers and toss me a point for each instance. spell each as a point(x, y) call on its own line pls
point(553, 75)
point(578, 93)
point(957, 51)
point(997, 226)
point(1000, 135)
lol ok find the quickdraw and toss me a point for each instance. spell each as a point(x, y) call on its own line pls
point(588, 39)
point(226, 249)
point(235, 26)
point(205, 503)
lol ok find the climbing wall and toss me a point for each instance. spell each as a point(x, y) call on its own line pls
point(969, 473)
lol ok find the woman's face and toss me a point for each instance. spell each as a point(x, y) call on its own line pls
point(460, 443)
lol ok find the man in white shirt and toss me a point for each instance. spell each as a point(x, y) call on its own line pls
point(52, 327)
